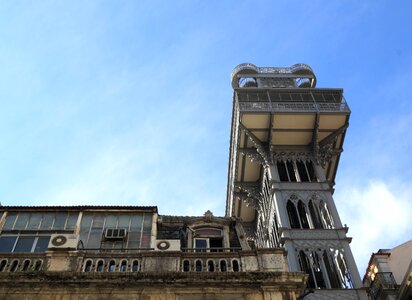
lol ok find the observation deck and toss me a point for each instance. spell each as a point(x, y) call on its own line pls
point(279, 112)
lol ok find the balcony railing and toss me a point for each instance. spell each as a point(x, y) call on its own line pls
point(383, 282)
point(291, 102)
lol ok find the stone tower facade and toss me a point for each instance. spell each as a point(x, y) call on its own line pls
point(286, 141)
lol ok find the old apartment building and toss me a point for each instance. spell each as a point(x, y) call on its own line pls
point(281, 238)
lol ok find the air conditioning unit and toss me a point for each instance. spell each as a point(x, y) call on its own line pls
point(115, 233)
point(63, 241)
point(167, 245)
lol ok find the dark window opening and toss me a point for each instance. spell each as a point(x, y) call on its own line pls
point(210, 266)
point(135, 267)
point(293, 216)
point(302, 171)
point(88, 267)
point(186, 266)
point(311, 171)
point(14, 265)
point(304, 266)
point(216, 244)
point(112, 266)
point(123, 266)
point(26, 265)
point(100, 266)
point(331, 270)
point(201, 245)
point(283, 175)
point(223, 267)
point(37, 266)
point(3, 265)
point(291, 171)
point(235, 266)
point(315, 216)
point(302, 215)
point(198, 266)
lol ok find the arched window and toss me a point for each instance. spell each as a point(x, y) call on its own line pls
point(135, 266)
point(123, 266)
point(210, 266)
point(100, 266)
point(235, 265)
point(3, 265)
point(37, 266)
point(293, 216)
point(223, 266)
point(14, 265)
point(302, 214)
point(26, 265)
point(331, 270)
point(112, 266)
point(186, 266)
point(305, 267)
point(325, 215)
point(88, 266)
point(198, 266)
point(317, 223)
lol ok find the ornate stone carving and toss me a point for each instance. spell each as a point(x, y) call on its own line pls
point(291, 155)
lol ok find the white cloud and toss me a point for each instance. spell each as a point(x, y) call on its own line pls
point(378, 214)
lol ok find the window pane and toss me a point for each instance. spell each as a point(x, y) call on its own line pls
point(60, 220)
point(7, 243)
point(111, 221)
point(200, 244)
point(98, 221)
point(34, 222)
point(47, 222)
point(136, 224)
point(11, 217)
point(22, 221)
point(124, 221)
point(24, 244)
point(72, 220)
point(42, 243)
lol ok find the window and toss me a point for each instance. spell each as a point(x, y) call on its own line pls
point(40, 221)
point(14, 265)
point(208, 239)
point(223, 266)
point(131, 231)
point(198, 266)
point(296, 170)
point(26, 265)
point(123, 266)
point(23, 243)
point(135, 266)
point(88, 266)
point(3, 265)
point(186, 266)
point(100, 266)
point(210, 266)
point(292, 214)
point(235, 265)
point(112, 266)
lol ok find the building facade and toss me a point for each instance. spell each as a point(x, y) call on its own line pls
point(281, 238)
point(389, 273)
point(286, 140)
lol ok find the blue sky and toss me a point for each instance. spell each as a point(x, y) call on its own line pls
point(129, 102)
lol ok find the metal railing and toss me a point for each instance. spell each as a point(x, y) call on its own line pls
point(383, 281)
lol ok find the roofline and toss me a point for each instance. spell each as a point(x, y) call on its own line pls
point(81, 207)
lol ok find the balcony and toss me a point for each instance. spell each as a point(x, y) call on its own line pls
point(292, 101)
point(384, 284)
